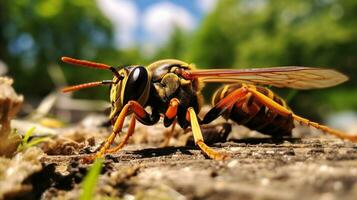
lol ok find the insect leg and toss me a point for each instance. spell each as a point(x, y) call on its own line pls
point(168, 136)
point(238, 96)
point(327, 129)
point(140, 114)
point(285, 112)
point(197, 135)
point(172, 109)
point(169, 119)
point(126, 137)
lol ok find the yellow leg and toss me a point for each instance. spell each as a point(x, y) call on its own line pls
point(116, 129)
point(138, 110)
point(268, 102)
point(285, 112)
point(326, 129)
point(197, 135)
point(126, 137)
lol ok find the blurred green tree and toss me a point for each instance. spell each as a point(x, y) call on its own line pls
point(175, 47)
point(265, 33)
point(215, 40)
point(36, 33)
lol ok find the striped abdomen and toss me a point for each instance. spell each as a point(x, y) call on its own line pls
point(252, 114)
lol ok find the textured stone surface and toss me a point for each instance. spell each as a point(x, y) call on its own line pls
point(261, 168)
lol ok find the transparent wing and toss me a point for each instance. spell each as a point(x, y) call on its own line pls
point(290, 76)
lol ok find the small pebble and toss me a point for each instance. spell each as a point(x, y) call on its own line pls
point(265, 181)
point(232, 163)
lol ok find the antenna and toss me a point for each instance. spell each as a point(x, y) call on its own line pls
point(86, 63)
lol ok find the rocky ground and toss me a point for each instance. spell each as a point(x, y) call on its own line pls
point(318, 167)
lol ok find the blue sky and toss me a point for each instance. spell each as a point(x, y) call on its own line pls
point(191, 6)
point(149, 23)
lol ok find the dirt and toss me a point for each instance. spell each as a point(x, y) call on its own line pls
point(318, 167)
point(263, 168)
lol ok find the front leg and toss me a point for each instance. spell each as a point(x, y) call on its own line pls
point(139, 113)
point(126, 138)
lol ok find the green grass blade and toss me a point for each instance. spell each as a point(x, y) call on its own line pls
point(28, 134)
point(90, 180)
point(26, 138)
point(36, 141)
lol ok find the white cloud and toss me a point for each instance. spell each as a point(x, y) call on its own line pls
point(206, 5)
point(159, 20)
point(125, 17)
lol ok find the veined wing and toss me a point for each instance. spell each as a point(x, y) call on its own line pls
point(290, 76)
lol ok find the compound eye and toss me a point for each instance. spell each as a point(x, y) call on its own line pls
point(136, 84)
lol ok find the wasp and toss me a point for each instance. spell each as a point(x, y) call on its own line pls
point(172, 89)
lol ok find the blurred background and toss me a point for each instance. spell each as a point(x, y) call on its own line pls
point(34, 34)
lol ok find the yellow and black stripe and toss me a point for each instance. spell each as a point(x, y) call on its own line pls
point(253, 114)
